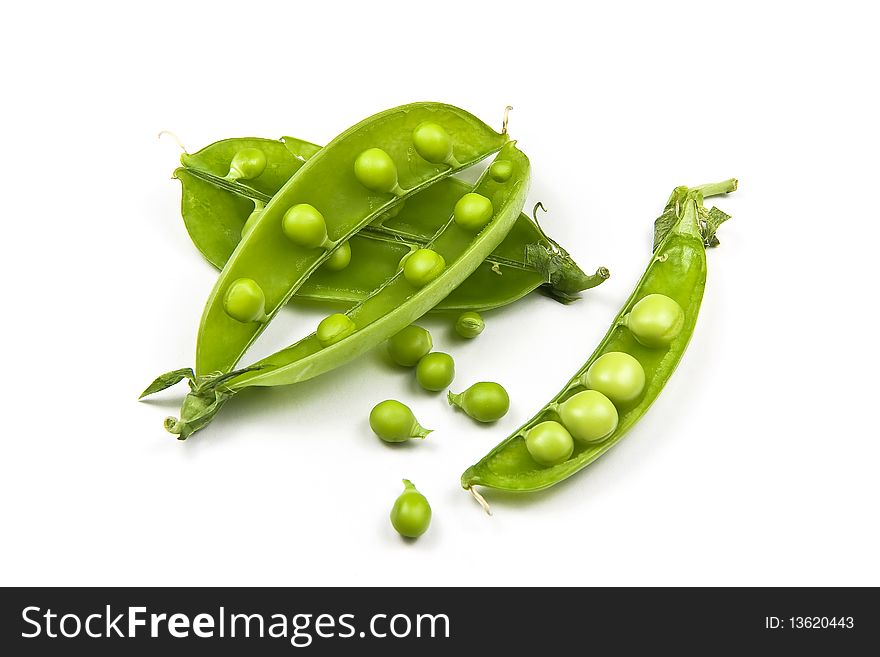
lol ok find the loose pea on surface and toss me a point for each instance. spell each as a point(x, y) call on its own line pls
point(432, 142)
point(435, 371)
point(549, 443)
point(248, 163)
point(469, 324)
point(334, 328)
point(589, 416)
point(340, 258)
point(656, 320)
point(617, 375)
point(485, 401)
point(394, 422)
point(422, 267)
point(245, 301)
point(473, 211)
point(376, 171)
point(411, 513)
point(304, 225)
point(408, 346)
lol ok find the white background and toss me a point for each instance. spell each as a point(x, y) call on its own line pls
point(757, 465)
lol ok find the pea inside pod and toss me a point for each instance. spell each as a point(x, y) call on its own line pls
point(613, 390)
point(348, 183)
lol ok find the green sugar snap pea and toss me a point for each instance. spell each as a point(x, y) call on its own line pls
point(411, 513)
point(217, 213)
point(394, 305)
point(469, 325)
point(624, 370)
point(246, 164)
point(245, 301)
point(435, 371)
point(334, 328)
point(485, 401)
point(348, 183)
point(473, 211)
point(304, 225)
point(409, 345)
point(394, 422)
point(549, 443)
point(339, 258)
point(423, 266)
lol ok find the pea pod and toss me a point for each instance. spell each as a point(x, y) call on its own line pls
point(362, 173)
point(622, 369)
point(394, 305)
point(215, 212)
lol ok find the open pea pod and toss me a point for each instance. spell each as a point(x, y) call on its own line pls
point(215, 212)
point(359, 175)
point(456, 250)
point(628, 369)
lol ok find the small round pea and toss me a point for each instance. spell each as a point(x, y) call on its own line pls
point(617, 375)
point(549, 443)
point(469, 324)
point(473, 211)
point(589, 416)
point(304, 225)
point(376, 171)
point(422, 267)
point(252, 219)
point(432, 142)
point(656, 320)
point(411, 513)
point(435, 371)
point(340, 258)
point(394, 422)
point(408, 346)
point(485, 401)
point(248, 163)
point(245, 301)
point(334, 328)
point(501, 170)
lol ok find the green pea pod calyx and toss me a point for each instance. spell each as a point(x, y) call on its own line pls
point(677, 271)
point(216, 210)
point(391, 307)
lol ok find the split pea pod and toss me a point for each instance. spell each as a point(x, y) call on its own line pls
point(394, 305)
point(625, 374)
point(365, 171)
point(216, 212)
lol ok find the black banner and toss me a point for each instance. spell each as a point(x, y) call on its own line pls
point(319, 621)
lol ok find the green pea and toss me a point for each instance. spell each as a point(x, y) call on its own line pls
point(433, 143)
point(411, 513)
point(248, 163)
point(340, 258)
point(334, 328)
point(394, 422)
point(408, 346)
point(501, 170)
point(245, 301)
point(549, 443)
point(485, 401)
point(435, 371)
point(589, 416)
point(304, 225)
point(423, 266)
point(617, 375)
point(376, 171)
point(469, 325)
point(656, 320)
point(473, 211)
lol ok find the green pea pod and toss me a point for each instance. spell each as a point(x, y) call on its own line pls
point(215, 211)
point(364, 172)
point(394, 305)
point(677, 271)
